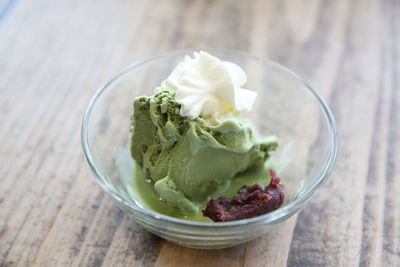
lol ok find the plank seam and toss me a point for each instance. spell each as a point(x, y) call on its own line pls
point(6, 9)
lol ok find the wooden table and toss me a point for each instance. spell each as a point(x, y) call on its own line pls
point(55, 54)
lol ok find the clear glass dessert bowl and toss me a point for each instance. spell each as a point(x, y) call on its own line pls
point(286, 106)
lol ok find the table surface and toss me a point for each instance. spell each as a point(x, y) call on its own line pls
point(55, 54)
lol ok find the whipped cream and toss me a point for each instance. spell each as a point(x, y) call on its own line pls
point(208, 87)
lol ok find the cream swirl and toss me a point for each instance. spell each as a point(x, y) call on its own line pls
point(208, 87)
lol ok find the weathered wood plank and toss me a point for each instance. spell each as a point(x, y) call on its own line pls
point(173, 255)
point(5, 8)
point(271, 249)
point(133, 246)
point(374, 205)
point(63, 241)
point(88, 239)
point(20, 218)
point(391, 224)
point(326, 233)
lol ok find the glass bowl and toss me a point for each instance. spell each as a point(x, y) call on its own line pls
point(286, 106)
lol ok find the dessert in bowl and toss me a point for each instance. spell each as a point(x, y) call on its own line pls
point(168, 199)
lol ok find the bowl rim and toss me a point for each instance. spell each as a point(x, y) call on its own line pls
point(272, 217)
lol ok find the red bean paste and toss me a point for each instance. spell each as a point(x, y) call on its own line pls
point(250, 201)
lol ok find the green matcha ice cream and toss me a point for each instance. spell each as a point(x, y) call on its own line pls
point(189, 159)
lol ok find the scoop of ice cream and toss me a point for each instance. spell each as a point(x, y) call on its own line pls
point(208, 87)
point(187, 159)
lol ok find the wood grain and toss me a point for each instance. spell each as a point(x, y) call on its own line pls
point(55, 54)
